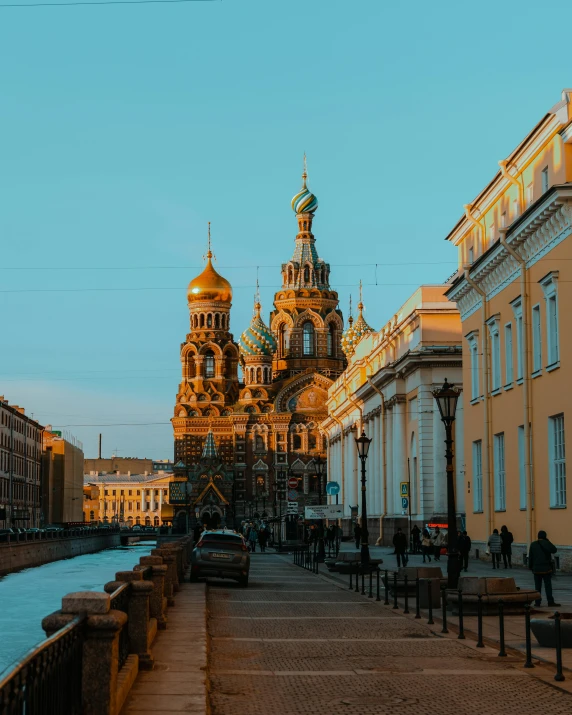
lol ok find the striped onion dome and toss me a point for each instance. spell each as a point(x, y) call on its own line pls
point(257, 339)
point(304, 201)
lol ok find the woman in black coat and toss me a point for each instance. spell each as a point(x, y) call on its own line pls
point(506, 548)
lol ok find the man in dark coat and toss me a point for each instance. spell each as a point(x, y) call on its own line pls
point(357, 535)
point(464, 546)
point(400, 544)
point(540, 563)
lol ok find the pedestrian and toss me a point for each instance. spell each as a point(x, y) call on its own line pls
point(400, 544)
point(426, 545)
point(506, 548)
point(437, 541)
point(494, 545)
point(357, 535)
point(252, 538)
point(262, 537)
point(196, 533)
point(540, 563)
point(416, 539)
point(464, 545)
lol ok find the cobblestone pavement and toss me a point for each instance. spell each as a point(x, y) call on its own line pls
point(295, 642)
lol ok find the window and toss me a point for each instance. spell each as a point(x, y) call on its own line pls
point(312, 441)
point(308, 338)
point(493, 325)
point(517, 310)
point(521, 467)
point(306, 274)
point(259, 443)
point(478, 475)
point(297, 441)
point(471, 255)
point(473, 340)
point(545, 180)
point(536, 340)
point(209, 364)
point(529, 194)
point(503, 219)
point(284, 340)
point(500, 485)
point(550, 287)
point(515, 208)
point(331, 340)
point(508, 357)
point(492, 232)
point(557, 458)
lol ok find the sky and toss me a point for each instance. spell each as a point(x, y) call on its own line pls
point(126, 129)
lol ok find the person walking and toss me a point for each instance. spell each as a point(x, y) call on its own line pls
point(540, 563)
point(426, 546)
point(400, 544)
point(415, 539)
point(357, 535)
point(437, 540)
point(464, 545)
point(506, 548)
point(262, 537)
point(494, 545)
point(252, 538)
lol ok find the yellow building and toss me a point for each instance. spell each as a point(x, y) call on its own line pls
point(62, 478)
point(127, 499)
point(513, 284)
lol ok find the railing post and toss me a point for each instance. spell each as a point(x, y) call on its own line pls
point(378, 597)
point(100, 660)
point(559, 677)
point(157, 601)
point(169, 561)
point(417, 597)
point(138, 623)
point(461, 635)
point(395, 605)
point(406, 594)
point(430, 620)
point(444, 609)
point(480, 643)
point(386, 585)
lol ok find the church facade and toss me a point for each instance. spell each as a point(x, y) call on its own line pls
point(265, 426)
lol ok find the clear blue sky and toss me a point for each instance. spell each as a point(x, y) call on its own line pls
point(126, 129)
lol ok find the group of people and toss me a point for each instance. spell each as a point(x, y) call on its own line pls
point(501, 545)
point(259, 533)
point(332, 535)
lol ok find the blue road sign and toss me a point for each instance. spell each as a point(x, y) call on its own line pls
point(404, 503)
point(332, 488)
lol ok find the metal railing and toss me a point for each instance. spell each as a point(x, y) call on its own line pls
point(49, 678)
point(23, 537)
point(119, 601)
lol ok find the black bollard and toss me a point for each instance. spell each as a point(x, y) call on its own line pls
point(378, 598)
point(461, 635)
point(444, 609)
point(502, 651)
point(480, 643)
point(351, 580)
point(558, 638)
point(406, 593)
point(528, 662)
point(430, 621)
point(362, 581)
point(370, 594)
point(417, 604)
point(395, 606)
point(386, 602)
point(357, 579)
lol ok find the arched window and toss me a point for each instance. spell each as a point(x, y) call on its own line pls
point(308, 338)
point(209, 364)
point(259, 445)
point(284, 340)
point(209, 320)
point(156, 521)
point(306, 274)
point(202, 320)
point(217, 321)
point(297, 441)
point(290, 275)
point(331, 340)
point(311, 441)
point(92, 516)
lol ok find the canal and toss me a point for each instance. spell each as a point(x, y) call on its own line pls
point(27, 596)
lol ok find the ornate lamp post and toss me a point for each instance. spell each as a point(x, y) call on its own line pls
point(446, 399)
point(319, 467)
point(363, 443)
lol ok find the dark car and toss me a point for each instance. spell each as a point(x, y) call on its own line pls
point(222, 554)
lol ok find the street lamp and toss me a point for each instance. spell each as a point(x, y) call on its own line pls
point(363, 443)
point(446, 399)
point(319, 467)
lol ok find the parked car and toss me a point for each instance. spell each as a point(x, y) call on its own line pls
point(221, 554)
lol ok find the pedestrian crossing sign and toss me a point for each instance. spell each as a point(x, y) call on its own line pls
point(404, 489)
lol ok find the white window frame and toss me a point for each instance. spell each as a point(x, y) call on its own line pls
point(471, 255)
point(545, 183)
point(508, 355)
point(536, 340)
point(474, 363)
point(477, 476)
point(500, 472)
point(550, 289)
point(517, 310)
point(493, 325)
point(557, 461)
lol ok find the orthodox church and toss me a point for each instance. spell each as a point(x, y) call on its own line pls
point(265, 427)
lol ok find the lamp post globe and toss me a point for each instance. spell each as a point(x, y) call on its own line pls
point(447, 398)
point(362, 443)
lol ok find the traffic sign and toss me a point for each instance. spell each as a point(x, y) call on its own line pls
point(332, 488)
point(292, 507)
point(325, 511)
point(293, 483)
point(404, 503)
point(404, 489)
point(292, 495)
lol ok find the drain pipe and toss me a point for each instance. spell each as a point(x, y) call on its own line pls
point(360, 428)
point(468, 208)
point(383, 450)
point(513, 180)
point(526, 395)
point(487, 421)
point(342, 460)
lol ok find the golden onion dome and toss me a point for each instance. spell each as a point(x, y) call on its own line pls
point(209, 285)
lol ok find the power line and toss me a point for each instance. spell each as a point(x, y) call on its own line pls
point(222, 268)
point(103, 2)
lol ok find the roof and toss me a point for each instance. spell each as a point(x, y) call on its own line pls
point(123, 478)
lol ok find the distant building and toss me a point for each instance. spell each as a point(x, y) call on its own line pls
point(20, 465)
point(62, 478)
point(125, 498)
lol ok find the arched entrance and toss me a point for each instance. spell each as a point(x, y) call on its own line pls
point(211, 515)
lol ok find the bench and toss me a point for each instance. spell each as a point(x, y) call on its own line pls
point(491, 590)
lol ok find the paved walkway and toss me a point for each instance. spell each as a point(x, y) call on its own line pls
point(296, 642)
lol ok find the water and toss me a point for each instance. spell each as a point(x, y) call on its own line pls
point(28, 596)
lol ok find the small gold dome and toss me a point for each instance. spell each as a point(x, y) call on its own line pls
point(209, 285)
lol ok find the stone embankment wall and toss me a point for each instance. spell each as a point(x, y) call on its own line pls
point(23, 555)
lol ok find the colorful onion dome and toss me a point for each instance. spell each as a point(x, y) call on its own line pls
point(257, 339)
point(356, 330)
point(304, 201)
point(209, 285)
point(361, 327)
